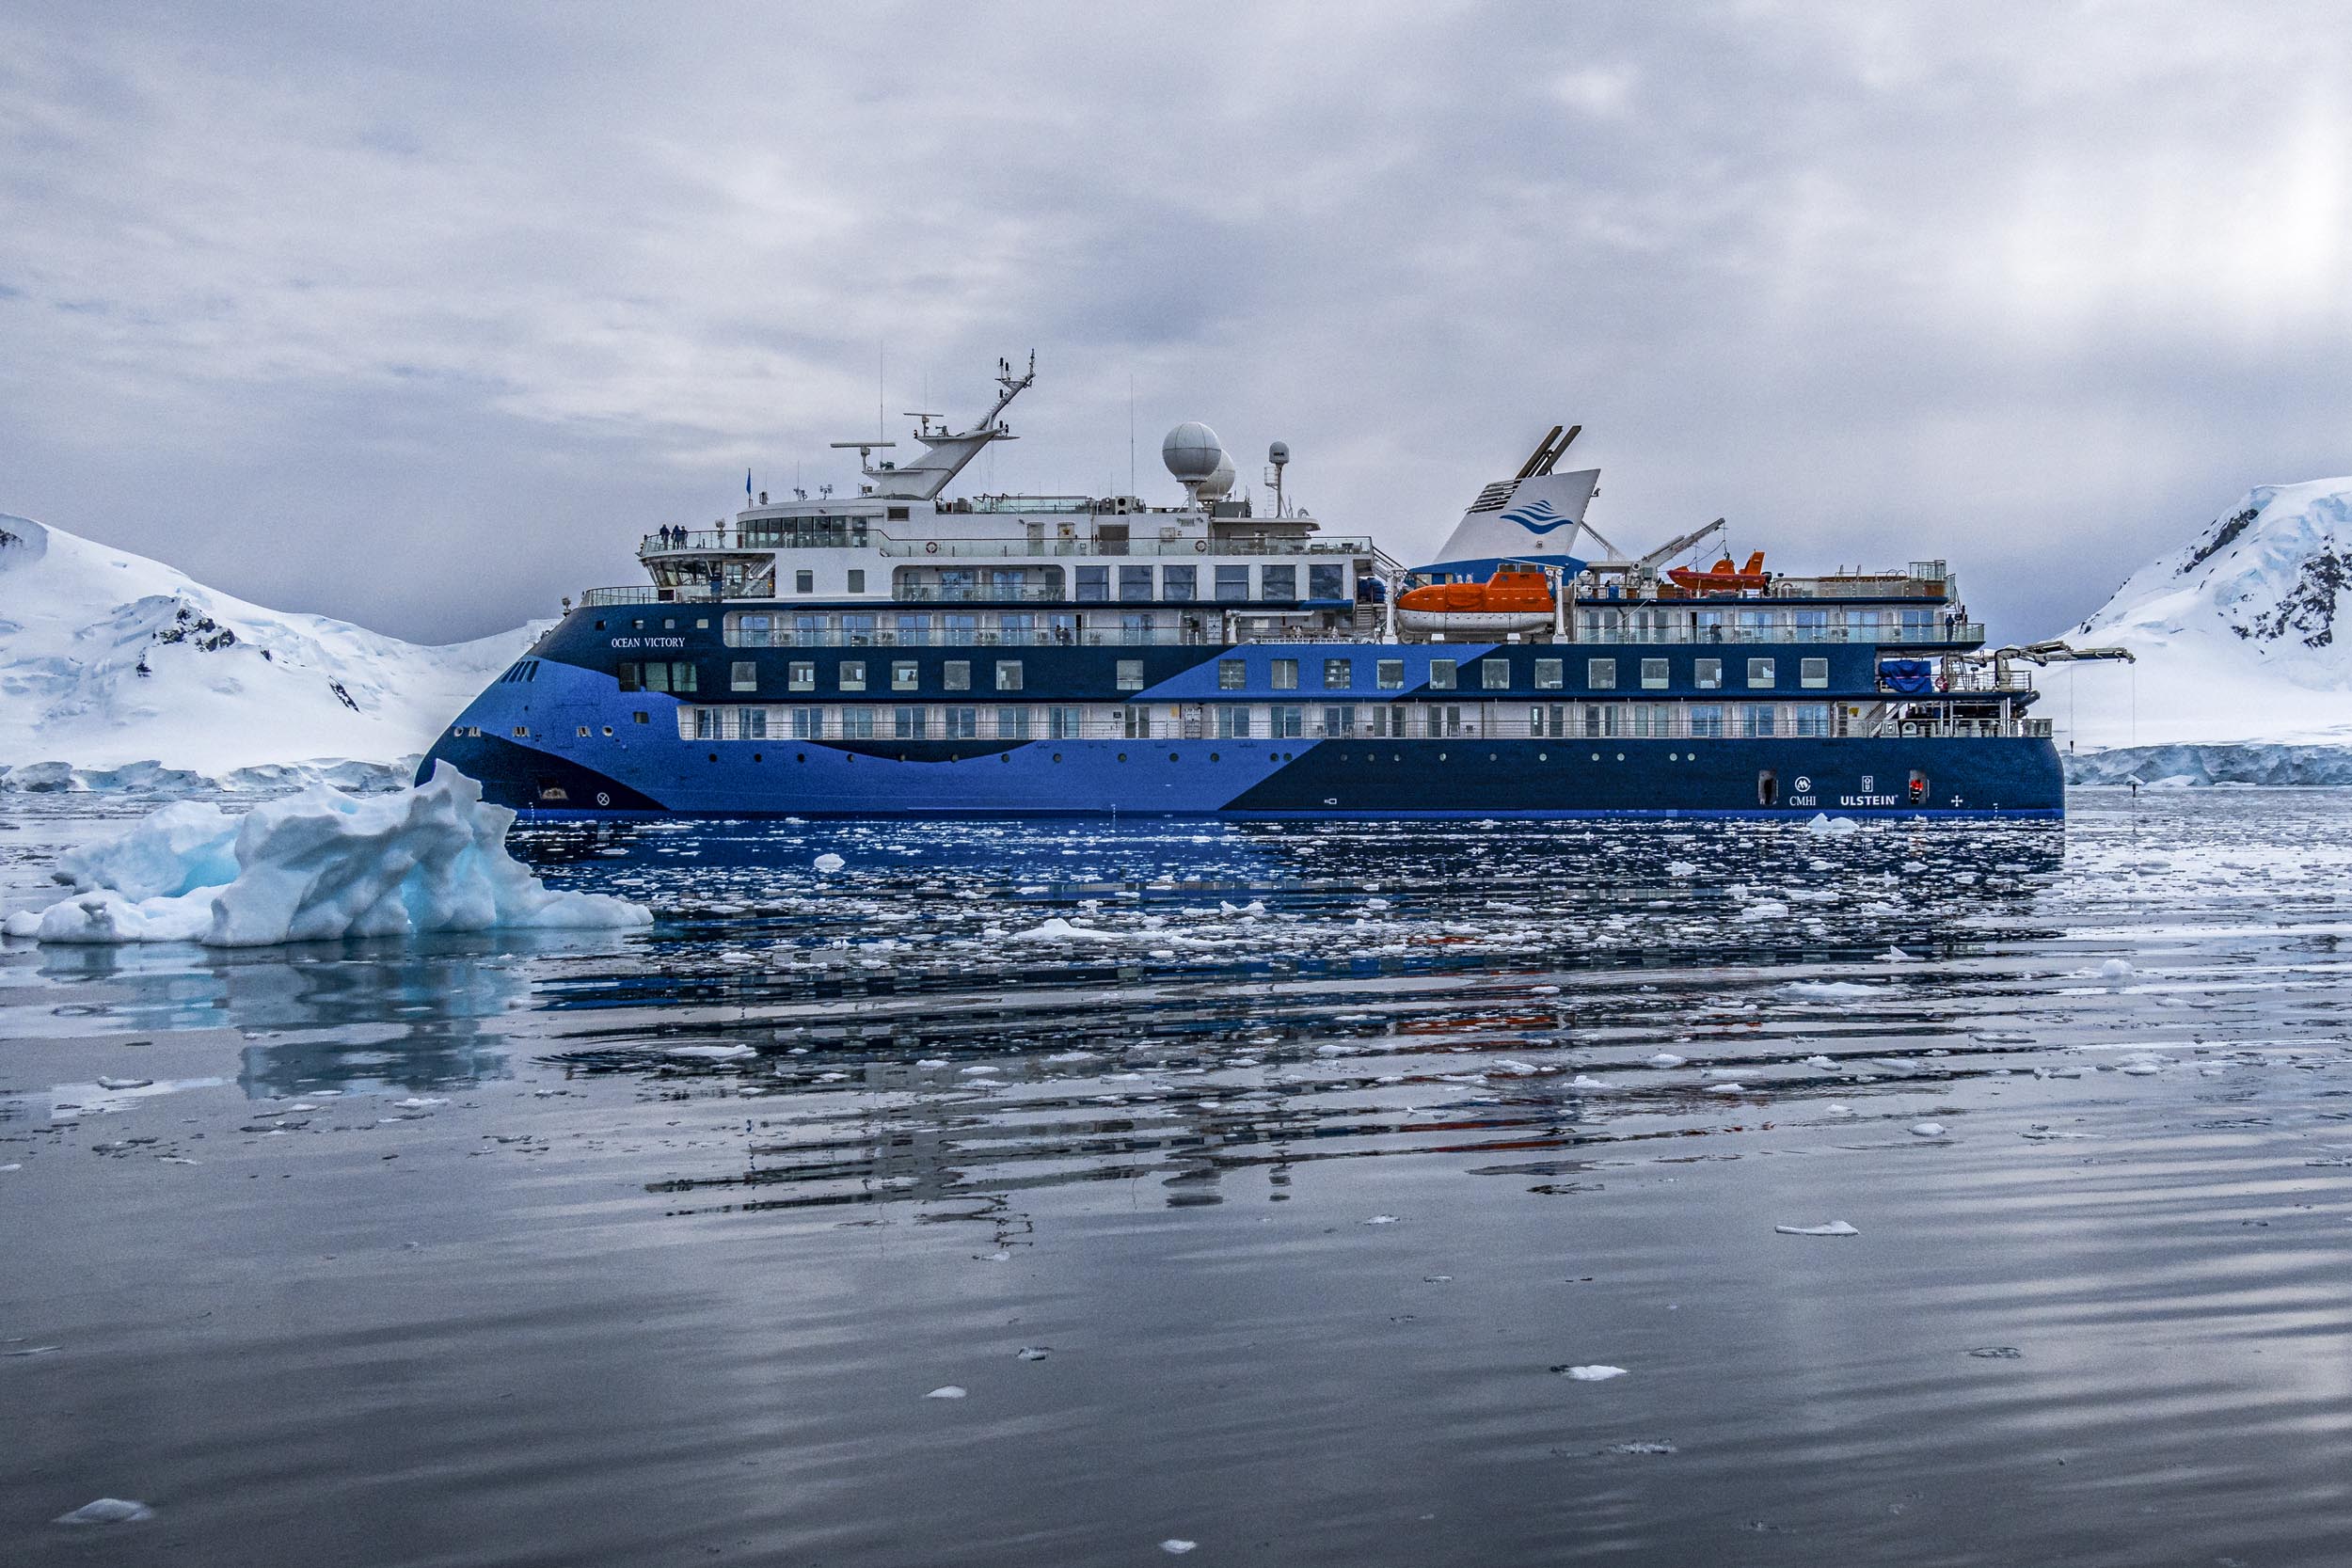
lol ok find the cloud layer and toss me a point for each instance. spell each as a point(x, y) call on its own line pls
point(421, 316)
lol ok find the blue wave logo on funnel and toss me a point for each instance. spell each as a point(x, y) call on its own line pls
point(1540, 519)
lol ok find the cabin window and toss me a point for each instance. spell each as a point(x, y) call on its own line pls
point(1327, 582)
point(1653, 674)
point(905, 675)
point(1444, 721)
point(1136, 723)
point(1338, 674)
point(1233, 674)
point(1130, 674)
point(1707, 673)
point(1232, 721)
point(1760, 673)
point(751, 724)
point(851, 674)
point(1550, 673)
point(747, 630)
point(956, 674)
point(1012, 723)
point(910, 723)
point(1094, 584)
point(1286, 724)
point(804, 582)
point(744, 676)
point(1389, 674)
point(896, 513)
point(1233, 584)
point(641, 716)
point(857, 724)
point(1065, 724)
point(808, 723)
point(1707, 720)
point(1277, 582)
point(1759, 720)
point(1493, 674)
point(1008, 674)
point(1178, 584)
point(1812, 719)
point(1135, 585)
point(963, 723)
point(800, 676)
point(857, 579)
point(1286, 673)
point(1339, 722)
point(1441, 675)
point(1813, 672)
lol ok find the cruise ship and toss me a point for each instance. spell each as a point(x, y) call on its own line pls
point(906, 653)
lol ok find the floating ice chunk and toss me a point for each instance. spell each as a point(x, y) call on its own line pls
point(828, 861)
point(1594, 1374)
point(1543, 990)
point(1033, 1352)
point(1998, 1352)
point(2141, 1068)
point(947, 1391)
point(1381, 1219)
point(107, 1510)
point(1835, 1228)
point(321, 865)
point(1824, 823)
point(1927, 1129)
point(1652, 1448)
point(1841, 1110)
point(1058, 930)
point(1174, 1547)
point(106, 1082)
point(1819, 1061)
point(1897, 956)
point(1581, 1082)
point(414, 1102)
point(1682, 868)
point(931, 1061)
point(1725, 1089)
point(1668, 1059)
point(1827, 989)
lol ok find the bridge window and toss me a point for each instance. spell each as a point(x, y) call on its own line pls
point(1813, 672)
point(1277, 582)
point(1327, 582)
point(1094, 584)
point(1233, 584)
point(1178, 584)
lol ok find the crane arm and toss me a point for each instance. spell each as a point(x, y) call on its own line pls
point(1672, 548)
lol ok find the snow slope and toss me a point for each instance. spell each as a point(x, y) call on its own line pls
point(109, 660)
point(2243, 638)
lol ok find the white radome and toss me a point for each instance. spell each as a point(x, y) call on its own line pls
point(1192, 453)
point(1219, 483)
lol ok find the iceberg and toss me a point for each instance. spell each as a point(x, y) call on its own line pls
point(314, 866)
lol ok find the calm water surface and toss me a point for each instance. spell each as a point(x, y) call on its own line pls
point(1258, 1186)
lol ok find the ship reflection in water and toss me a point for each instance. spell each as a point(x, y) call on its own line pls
point(1150, 1142)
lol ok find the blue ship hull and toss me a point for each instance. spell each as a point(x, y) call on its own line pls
point(560, 738)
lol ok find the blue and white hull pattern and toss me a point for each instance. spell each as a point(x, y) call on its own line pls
point(559, 737)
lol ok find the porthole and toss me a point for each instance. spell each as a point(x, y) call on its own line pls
point(1674, 756)
point(755, 756)
point(1396, 759)
point(1491, 757)
point(800, 757)
point(1620, 756)
point(1172, 756)
point(1004, 757)
point(1543, 756)
point(607, 731)
point(1123, 756)
point(1212, 756)
point(1441, 756)
point(714, 756)
point(1058, 757)
point(1596, 756)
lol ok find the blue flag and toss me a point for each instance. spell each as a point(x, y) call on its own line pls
point(747, 484)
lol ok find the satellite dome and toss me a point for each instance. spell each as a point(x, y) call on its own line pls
point(1191, 452)
point(1219, 483)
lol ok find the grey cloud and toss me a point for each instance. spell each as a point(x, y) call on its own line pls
point(420, 317)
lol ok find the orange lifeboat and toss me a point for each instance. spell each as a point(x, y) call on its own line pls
point(1724, 577)
point(1513, 599)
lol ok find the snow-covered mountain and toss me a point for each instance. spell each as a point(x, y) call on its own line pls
point(113, 664)
point(2243, 638)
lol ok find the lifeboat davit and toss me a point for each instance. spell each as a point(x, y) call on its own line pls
point(1723, 578)
point(1513, 599)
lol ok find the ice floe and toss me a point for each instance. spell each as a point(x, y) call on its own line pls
point(314, 867)
point(1835, 1228)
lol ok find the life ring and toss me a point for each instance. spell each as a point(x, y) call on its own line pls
point(603, 799)
point(931, 546)
point(1199, 547)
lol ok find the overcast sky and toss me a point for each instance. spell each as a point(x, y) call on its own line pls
point(420, 316)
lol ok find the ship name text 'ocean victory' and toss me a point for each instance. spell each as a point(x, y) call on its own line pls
point(902, 653)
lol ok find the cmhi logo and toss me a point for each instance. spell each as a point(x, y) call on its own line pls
point(1538, 517)
point(1805, 784)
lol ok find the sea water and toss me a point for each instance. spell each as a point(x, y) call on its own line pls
point(1019, 1193)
